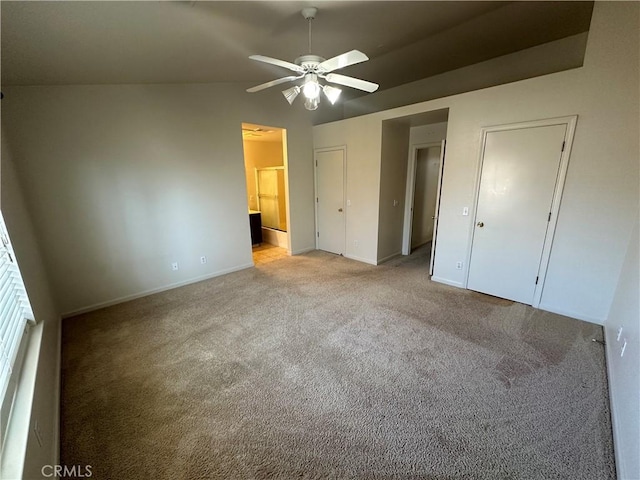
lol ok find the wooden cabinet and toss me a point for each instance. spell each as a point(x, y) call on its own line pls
point(255, 221)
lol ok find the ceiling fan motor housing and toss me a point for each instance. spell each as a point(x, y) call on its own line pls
point(309, 13)
point(309, 62)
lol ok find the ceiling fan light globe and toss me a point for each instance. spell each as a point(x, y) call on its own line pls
point(311, 103)
point(311, 87)
point(332, 93)
point(291, 93)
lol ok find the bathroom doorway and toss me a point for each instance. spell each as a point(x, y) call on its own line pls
point(265, 160)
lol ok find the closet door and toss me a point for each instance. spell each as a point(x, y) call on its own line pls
point(519, 176)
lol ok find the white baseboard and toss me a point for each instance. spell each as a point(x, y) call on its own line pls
point(569, 313)
point(608, 348)
point(447, 282)
point(389, 257)
point(145, 293)
point(360, 259)
point(303, 250)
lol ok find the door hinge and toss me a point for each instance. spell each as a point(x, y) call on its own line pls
point(317, 200)
point(537, 278)
point(563, 144)
point(317, 160)
point(549, 219)
point(318, 234)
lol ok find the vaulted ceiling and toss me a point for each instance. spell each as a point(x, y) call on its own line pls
point(79, 42)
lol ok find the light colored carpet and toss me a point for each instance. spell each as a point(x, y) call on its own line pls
point(317, 366)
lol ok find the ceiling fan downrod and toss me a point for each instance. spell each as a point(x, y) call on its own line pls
point(309, 14)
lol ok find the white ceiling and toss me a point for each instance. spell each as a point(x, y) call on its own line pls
point(190, 42)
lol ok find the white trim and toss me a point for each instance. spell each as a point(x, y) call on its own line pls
point(410, 192)
point(571, 314)
point(447, 282)
point(555, 207)
point(285, 163)
point(436, 220)
point(344, 190)
point(615, 420)
point(360, 259)
point(570, 122)
point(15, 448)
point(126, 298)
point(389, 257)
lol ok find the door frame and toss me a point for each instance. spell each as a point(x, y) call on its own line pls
point(570, 122)
point(410, 192)
point(432, 258)
point(343, 148)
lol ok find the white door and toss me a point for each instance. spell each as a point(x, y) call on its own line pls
point(330, 200)
point(520, 170)
point(437, 207)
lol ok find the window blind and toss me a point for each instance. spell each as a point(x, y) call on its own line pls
point(15, 310)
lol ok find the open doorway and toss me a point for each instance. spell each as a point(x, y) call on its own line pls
point(265, 160)
point(427, 166)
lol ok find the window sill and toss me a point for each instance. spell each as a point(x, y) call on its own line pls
point(15, 444)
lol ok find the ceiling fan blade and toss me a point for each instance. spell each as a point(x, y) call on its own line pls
point(280, 63)
point(262, 86)
point(341, 61)
point(352, 82)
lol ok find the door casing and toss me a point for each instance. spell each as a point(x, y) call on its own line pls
point(570, 122)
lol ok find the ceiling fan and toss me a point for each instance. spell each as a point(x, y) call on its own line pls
point(309, 68)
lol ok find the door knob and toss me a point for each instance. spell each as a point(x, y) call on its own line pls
point(481, 224)
point(339, 209)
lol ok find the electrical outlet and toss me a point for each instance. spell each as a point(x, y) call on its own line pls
point(624, 347)
point(395, 203)
point(356, 243)
point(174, 266)
point(459, 265)
point(619, 334)
point(203, 259)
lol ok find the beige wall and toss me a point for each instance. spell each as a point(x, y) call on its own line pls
point(393, 180)
point(624, 379)
point(363, 138)
point(123, 180)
